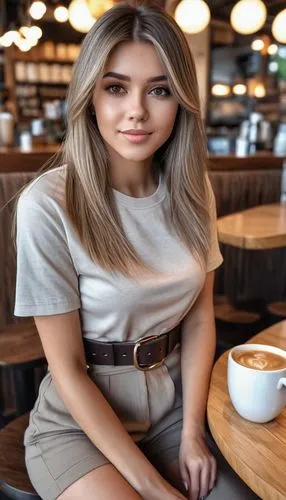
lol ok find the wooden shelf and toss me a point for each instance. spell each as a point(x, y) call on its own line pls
point(50, 84)
point(45, 60)
point(36, 55)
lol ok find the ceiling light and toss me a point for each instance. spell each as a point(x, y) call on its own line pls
point(257, 44)
point(273, 66)
point(99, 7)
point(35, 32)
point(272, 49)
point(24, 45)
point(192, 16)
point(259, 90)
point(10, 37)
point(37, 9)
point(279, 27)
point(6, 41)
point(31, 33)
point(220, 89)
point(24, 30)
point(248, 16)
point(61, 14)
point(33, 41)
point(239, 89)
point(80, 17)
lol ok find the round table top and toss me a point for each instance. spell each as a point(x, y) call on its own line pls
point(256, 228)
point(257, 452)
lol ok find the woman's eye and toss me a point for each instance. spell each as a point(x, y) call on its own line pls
point(161, 91)
point(113, 89)
point(158, 91)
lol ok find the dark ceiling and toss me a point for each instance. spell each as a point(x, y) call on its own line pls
point(10, 10)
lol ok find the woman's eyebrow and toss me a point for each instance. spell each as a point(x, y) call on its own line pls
point(126, 78)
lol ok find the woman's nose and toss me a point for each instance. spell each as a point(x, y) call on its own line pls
point(137, 108)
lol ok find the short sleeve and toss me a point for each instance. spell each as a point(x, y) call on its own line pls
point(46, 280)
point(214, 257)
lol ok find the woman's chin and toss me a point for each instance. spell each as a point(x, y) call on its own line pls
point(137, 156)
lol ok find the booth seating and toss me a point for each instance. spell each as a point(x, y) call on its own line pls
point(21, 353)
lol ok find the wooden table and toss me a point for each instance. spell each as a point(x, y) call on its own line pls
point(260, 227)
point(257, 452)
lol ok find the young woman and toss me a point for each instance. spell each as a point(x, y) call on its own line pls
point(115, 245)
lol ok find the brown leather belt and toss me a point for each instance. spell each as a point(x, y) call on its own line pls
point(145, 354)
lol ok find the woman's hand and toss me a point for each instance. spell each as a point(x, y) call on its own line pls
point(197, 466)
point(160, 489)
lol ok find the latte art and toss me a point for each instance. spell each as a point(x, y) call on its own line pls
point(259, 360)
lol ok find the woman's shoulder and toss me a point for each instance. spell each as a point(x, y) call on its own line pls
point(49, 185)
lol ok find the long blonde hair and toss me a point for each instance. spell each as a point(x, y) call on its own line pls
point(90, 201)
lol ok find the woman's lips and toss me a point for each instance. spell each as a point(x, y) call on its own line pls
point(136, 138)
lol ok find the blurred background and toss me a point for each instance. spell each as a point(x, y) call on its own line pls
point(239, 50)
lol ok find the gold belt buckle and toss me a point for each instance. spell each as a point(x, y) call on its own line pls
point(138, 344)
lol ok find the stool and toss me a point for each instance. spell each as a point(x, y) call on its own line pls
point(277, 309)
point(14, 480)
point(233, 325)
point(21, 351)
point(225, 311)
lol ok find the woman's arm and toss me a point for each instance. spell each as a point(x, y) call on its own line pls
point(62, 342)
point(197, 465)
point(198, 349)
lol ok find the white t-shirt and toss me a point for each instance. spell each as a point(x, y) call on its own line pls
point(56, 275)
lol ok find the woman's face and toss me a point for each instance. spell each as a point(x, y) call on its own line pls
point(133, 93)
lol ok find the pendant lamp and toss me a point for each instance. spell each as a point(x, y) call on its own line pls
point(192, 16)
point(248, 16)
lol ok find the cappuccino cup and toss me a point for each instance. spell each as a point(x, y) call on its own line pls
point(256, 379)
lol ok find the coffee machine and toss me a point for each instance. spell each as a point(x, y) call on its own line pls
point(255, 134)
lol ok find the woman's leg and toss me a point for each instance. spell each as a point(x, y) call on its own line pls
point(70, 467)
point(102, 483)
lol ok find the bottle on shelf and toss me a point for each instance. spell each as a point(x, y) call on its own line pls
point(38, 132)
point(7, 126)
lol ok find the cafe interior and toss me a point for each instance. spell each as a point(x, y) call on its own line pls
point(239, 49)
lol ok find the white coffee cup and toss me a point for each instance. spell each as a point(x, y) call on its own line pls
point(257, 395)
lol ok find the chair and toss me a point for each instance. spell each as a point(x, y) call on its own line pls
point(20, 347)
point(21, 352)
point(277, 309)
point(14, 480)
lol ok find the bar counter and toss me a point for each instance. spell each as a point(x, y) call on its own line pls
point(15, 160)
